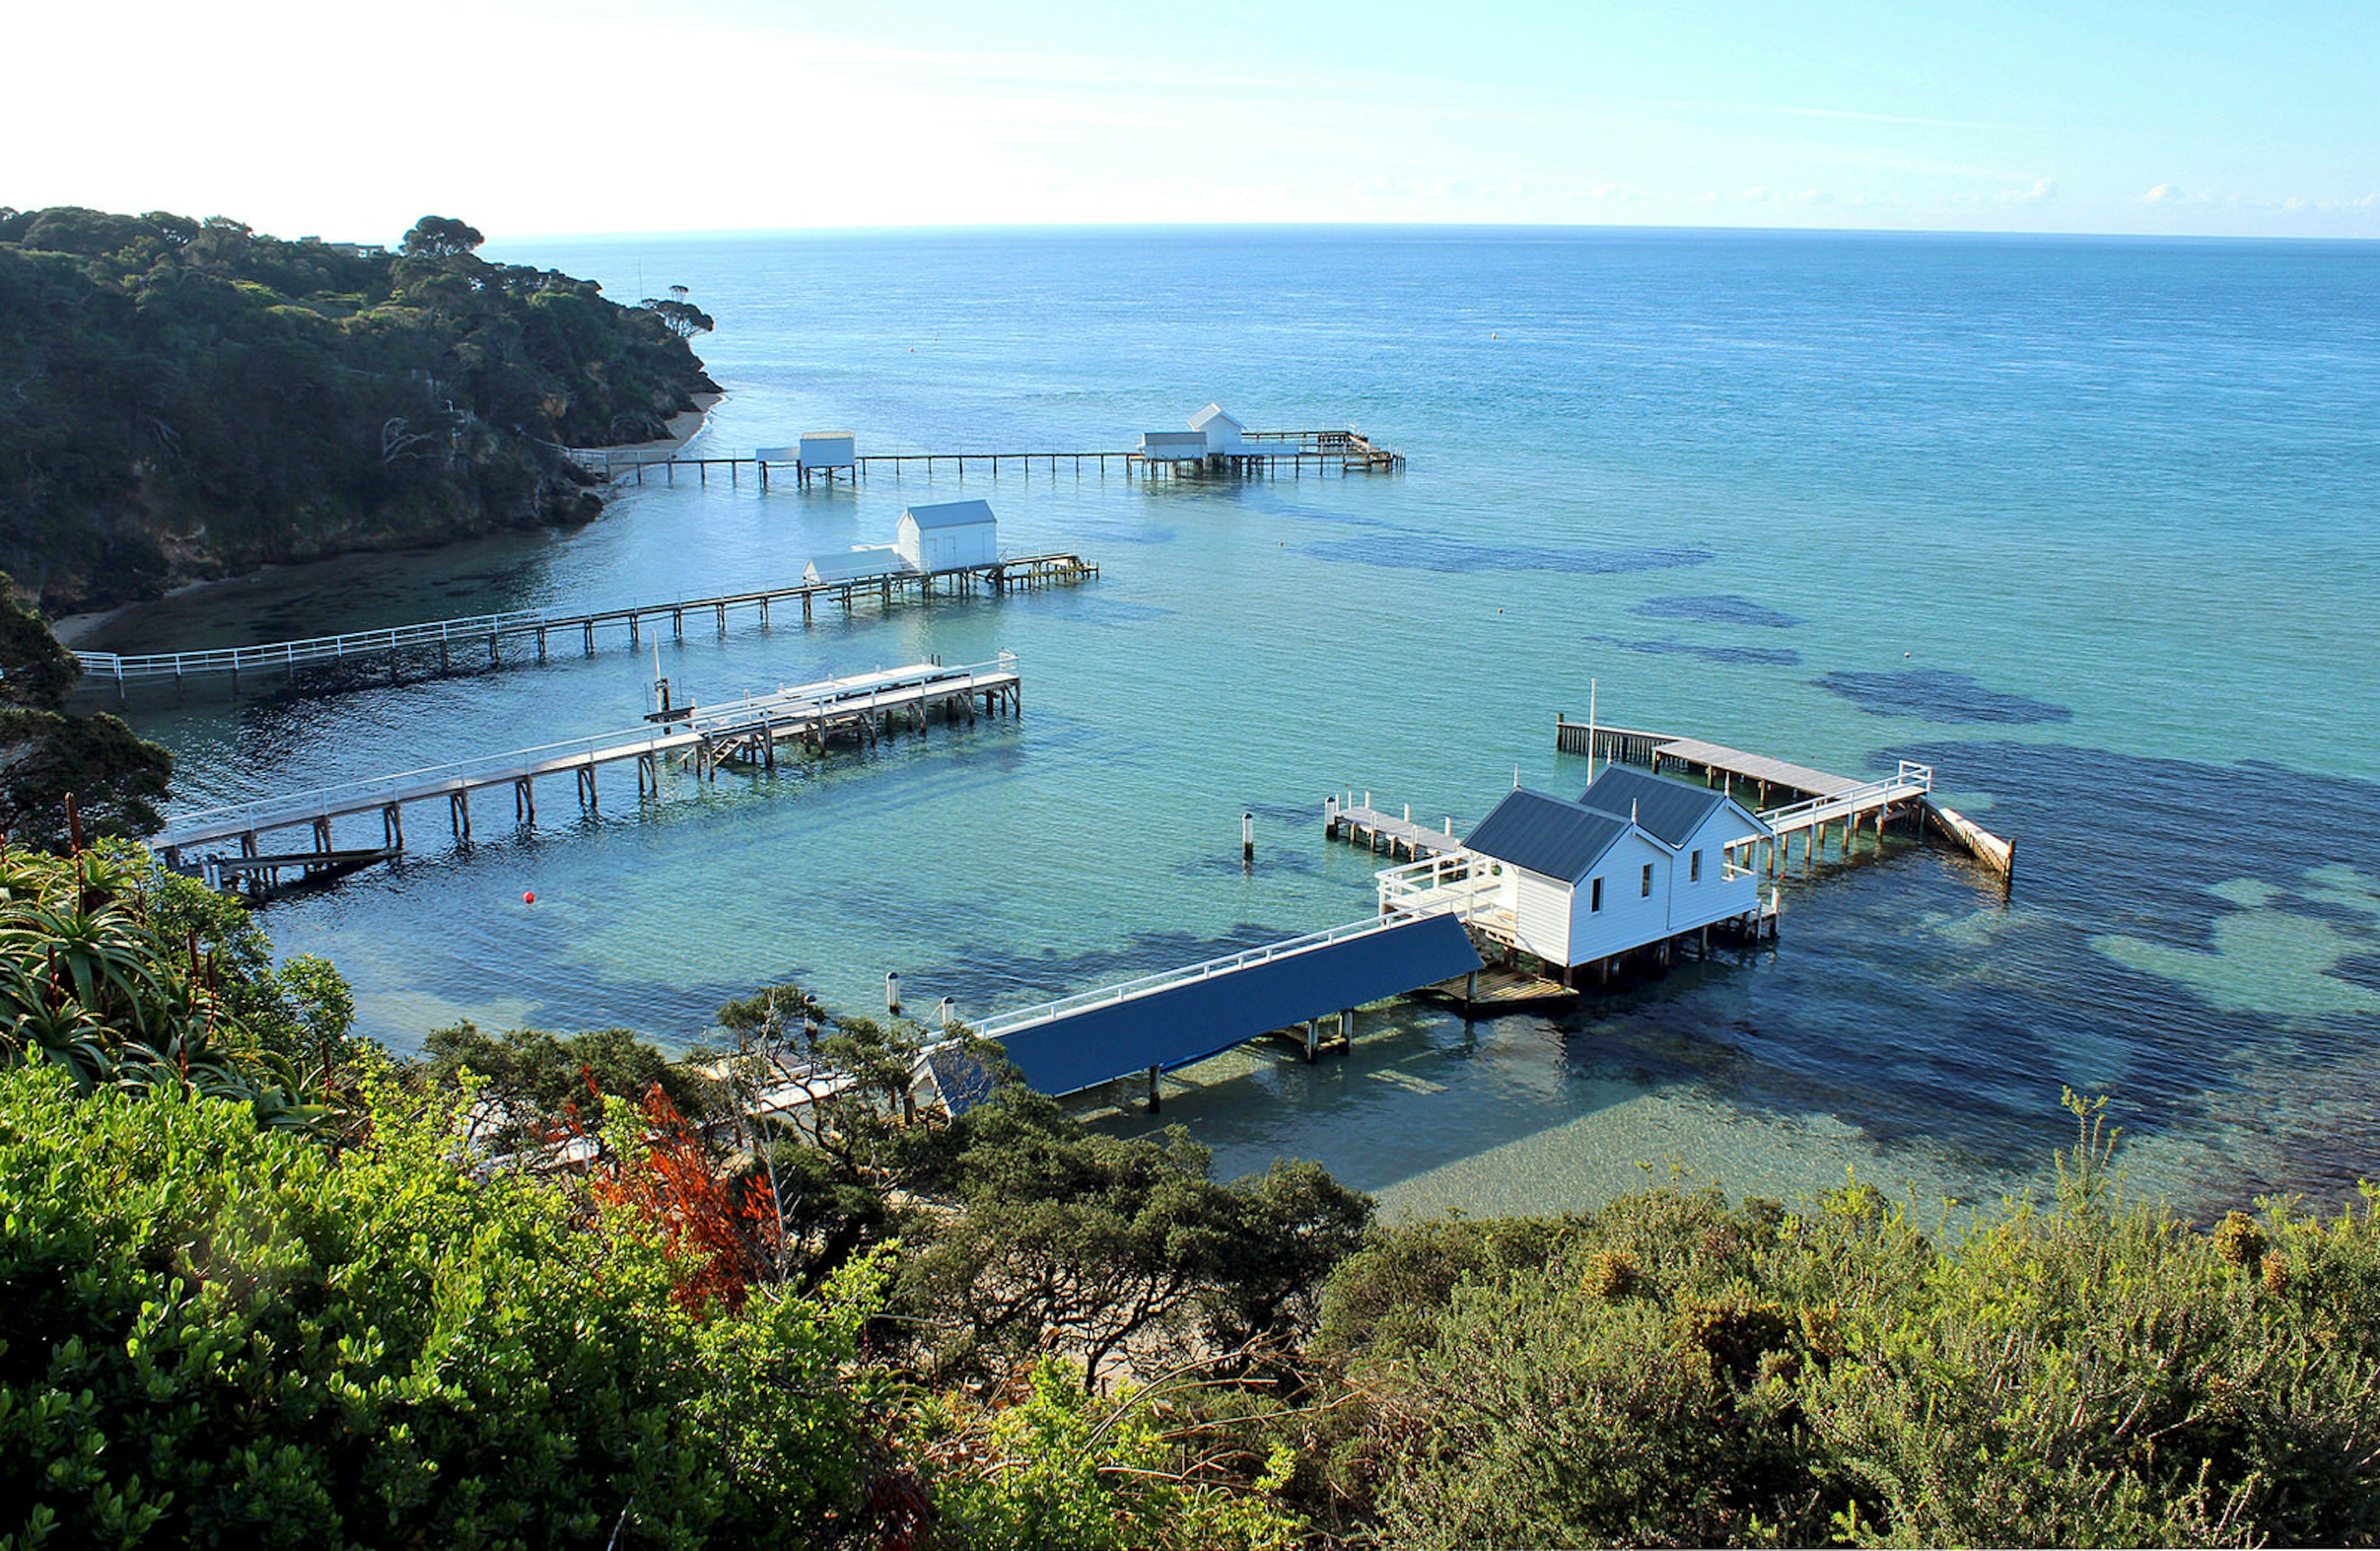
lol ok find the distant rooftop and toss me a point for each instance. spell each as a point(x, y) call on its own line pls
point(950, 513)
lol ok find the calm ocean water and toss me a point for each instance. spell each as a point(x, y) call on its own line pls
point(2089, 525)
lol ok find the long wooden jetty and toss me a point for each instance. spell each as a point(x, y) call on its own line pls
point(1261, 452)
point(541, 628)
point(1791, 799)
point(863, 708)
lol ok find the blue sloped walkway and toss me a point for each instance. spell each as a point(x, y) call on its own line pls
point(1197, 1012)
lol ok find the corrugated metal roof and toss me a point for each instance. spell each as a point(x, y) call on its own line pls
point(1670, 809)
point(1551, 836)
point(1211, 413)
point(1199, 1018)
point(950, 513)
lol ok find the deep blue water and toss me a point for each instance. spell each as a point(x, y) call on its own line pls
point(2089, 525)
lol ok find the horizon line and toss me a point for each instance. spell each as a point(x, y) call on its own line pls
point(1061, 227)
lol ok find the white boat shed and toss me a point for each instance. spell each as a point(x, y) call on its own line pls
point(827, 449)
point(1638, 861)
point(949, 534)
point(1221, 431)
point(1214, 432)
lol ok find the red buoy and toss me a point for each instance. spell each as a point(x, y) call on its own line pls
point(529, 898)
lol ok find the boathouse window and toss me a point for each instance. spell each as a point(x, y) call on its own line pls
point(1645, 890)
point(1695, 868)
point(1595, 896)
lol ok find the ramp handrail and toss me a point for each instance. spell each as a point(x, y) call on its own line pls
point(1005, 1023)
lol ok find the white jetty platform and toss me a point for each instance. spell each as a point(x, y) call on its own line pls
point(864, 706)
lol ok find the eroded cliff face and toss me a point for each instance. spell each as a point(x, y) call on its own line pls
point(183, 400)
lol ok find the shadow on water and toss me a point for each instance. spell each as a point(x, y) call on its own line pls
point(1936, 695)
point(1432, 551)
point(1723, 609)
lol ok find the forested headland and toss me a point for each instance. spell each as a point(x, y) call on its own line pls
point(183, 399)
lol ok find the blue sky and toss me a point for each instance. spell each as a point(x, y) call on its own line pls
point(537, 116)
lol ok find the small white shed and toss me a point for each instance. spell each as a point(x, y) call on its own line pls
point(947, 535)
point(863, 561)
point(827, 449)
point(1221, 430)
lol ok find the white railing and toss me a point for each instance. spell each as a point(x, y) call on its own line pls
point(1458, 883)
point(858, 691)
point(350, 796)
point(353, 795)
point(1912, 780)
point(1025, 1017)
point(476, 630)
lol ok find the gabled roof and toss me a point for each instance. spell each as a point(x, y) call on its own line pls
point(1549, 836)
point(1212, 413)
point(1668, 809)
point(950, 513)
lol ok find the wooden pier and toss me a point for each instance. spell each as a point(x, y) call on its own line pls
point(1791, 799)
point(1361, 824)
point(863, 708)
point(1263, 453)
point(540, 629)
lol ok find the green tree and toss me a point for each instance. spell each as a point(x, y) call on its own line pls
point(442, 237)
point(537, 1086)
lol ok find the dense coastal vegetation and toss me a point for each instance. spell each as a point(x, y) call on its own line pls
point(260, 1283)
point(183, 399)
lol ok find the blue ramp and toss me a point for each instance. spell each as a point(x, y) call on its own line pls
point(1185, 1015)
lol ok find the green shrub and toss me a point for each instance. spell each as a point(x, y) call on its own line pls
point(214, 1334)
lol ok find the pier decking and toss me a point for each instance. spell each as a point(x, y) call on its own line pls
point(864, 708)
point(1262, 452)
point(1815, 799)
point(1361, 824)
point(540, 628)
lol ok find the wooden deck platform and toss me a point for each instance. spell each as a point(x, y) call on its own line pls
point(1492, 993)
point(1361, 824)
point(862, 709)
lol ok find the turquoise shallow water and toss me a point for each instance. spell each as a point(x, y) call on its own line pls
point(2089, 525)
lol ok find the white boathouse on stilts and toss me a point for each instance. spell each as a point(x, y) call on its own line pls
point(1639, 862)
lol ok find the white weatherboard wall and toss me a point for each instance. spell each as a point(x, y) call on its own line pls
point(1717, 897)
point(943, 537)
point(1173, 444)
point(1217, 426)
point(1628, 919)
point(1541, 912)
point(827, 449)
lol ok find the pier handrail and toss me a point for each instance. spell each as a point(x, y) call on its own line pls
point(466, 631)
point(1408, 888)
point(1912, 778)
point(628, 739)
point(1005, 1023)
point(397, 784)
point(856, 692)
